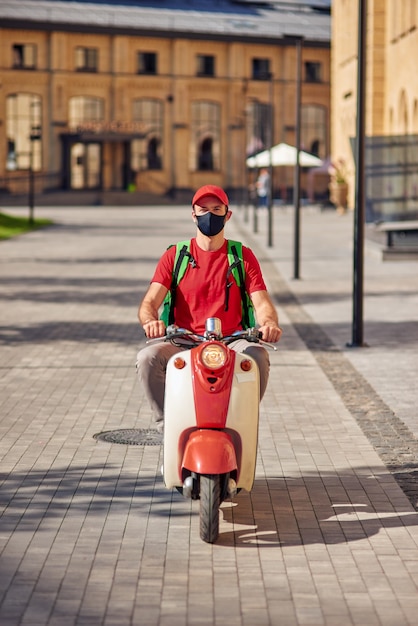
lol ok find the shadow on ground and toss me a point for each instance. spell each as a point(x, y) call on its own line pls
point(326, 508)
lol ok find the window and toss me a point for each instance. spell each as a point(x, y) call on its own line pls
point(86, 59)
point(205, 145)
point(146, 153)
point(205, 65)
point(23, 130)
point(261, 69)
point(84, 109)
point(313, 72)
point(258, 127)
point(147, 63)
point(24, 56)
point(313, 130)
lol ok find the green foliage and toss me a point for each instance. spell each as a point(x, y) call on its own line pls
point(11, 225)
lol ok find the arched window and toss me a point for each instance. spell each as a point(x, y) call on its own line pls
point(314, 130)
point(205, 142)
point(24, 132)
point(259, 123)
point(146, 153)
point(85, 109)
point(315, 147)
point(205, 156)
point(153, 156)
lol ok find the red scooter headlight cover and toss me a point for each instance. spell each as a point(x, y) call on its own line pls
point(213, 369)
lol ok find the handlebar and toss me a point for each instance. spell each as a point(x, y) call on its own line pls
point(174, 333)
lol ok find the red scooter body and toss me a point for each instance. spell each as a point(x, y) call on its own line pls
point(211, 423)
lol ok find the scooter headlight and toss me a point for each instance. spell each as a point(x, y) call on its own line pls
point(214, 356)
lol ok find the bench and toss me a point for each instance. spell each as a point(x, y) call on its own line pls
point(391, 228)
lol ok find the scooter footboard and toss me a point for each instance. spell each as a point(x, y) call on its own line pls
point(209, 452)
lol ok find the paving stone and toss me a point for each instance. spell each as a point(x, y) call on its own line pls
point(88, 532)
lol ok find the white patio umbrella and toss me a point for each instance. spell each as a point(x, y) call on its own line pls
point(282, 154)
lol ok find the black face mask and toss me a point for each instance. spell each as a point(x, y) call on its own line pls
point(210, 224)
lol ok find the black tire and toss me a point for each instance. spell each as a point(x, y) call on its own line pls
point(210, 499)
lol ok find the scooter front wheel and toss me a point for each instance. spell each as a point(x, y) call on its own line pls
point(210, 500)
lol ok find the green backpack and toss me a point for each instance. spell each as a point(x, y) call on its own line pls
point(236, 268)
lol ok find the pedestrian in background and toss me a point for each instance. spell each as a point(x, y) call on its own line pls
point(263, 187)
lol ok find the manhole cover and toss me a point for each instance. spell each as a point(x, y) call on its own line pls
point(131, 437)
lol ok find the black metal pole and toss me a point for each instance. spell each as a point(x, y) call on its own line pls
point(296, 185)
point(170, 100)
point(247, 198)
point(270, 191)
point(31, 198)
point(360, 195)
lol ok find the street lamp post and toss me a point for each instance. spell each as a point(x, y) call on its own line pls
point(296, 191)
point(35, 135)
point(255, 215)
point(257, 133)
point(170, 100)
point(270, 144)
point(360, 195)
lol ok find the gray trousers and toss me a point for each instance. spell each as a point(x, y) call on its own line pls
point(152, 362)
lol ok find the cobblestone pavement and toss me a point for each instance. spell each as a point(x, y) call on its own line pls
point(377, 381)
point(89, 534)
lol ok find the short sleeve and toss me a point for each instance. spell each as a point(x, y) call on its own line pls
point(254, 280)
point(164, 271)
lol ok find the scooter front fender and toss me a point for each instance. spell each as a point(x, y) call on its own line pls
point(209, 452)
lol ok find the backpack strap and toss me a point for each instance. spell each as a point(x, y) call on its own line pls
point(235, 261)
point(182, 259)
point(236, 267)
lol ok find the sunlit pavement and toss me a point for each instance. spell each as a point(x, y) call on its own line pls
point(90, 535)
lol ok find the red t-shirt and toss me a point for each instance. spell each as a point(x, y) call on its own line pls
point(201, 292)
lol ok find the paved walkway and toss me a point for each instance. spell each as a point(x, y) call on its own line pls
point(88, 533)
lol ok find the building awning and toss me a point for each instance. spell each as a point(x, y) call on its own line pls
point(100, 131)
point(101, 137)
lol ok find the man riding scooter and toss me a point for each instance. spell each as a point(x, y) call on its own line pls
point(208, 276)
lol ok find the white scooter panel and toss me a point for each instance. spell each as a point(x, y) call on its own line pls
point(242, 417)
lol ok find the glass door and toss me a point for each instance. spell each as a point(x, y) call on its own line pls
point(85, 166)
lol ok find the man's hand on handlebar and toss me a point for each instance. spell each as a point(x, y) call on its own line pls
point(154, 329)
point(270, 333)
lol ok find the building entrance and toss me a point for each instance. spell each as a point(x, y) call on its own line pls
point(98, 160)
point(85, 166)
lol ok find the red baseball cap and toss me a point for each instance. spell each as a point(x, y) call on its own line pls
point(210, 190)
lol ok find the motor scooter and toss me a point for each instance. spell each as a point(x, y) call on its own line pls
point(211, 414)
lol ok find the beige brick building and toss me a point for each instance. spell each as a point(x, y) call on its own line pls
point(391, 101)
point(123, 97)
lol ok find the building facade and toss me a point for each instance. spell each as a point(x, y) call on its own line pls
point(391, 102)
point(108, 97)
